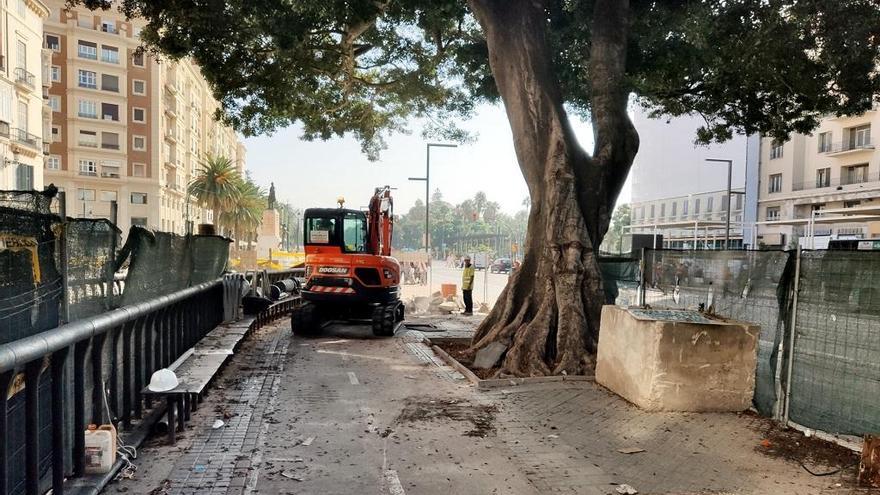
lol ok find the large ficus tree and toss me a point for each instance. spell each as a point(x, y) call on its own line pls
point(369, 67)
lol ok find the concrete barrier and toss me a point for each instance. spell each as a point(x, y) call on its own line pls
point(677, 360)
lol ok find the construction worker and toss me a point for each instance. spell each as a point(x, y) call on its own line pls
point(467, 286)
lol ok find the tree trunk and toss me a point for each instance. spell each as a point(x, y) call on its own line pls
point(548, 314)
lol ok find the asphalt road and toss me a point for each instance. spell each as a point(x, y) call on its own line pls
point(487, 286)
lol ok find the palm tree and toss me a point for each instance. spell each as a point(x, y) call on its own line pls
point(244, 217)
point(215, 186)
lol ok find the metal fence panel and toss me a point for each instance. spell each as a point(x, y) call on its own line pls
point(835, 382)
point(749, 286)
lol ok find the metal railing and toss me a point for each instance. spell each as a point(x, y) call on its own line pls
point(24, 137)
point(119, 350)
point(22, 76)
point(848, 145)
point(841, 181)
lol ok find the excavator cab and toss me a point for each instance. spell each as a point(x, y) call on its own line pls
point(350, 274)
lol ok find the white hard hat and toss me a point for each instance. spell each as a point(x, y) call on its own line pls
point(163, 381)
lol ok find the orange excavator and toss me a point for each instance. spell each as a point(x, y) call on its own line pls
point(350, 274)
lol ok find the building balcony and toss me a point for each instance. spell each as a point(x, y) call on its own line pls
point(110, 146)
point(21, 136)
point(88, 173)
point(24, 78)
point(837, 183)
point(46, 148)
point(110, 174)
point(848, 147)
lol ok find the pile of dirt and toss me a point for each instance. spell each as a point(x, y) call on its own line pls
point(422, 409)
point(811, 452)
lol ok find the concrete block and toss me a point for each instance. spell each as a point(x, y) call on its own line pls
point(489, 356)
point(672, 365)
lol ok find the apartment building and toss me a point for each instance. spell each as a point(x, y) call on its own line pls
point(125, 127)
point(821, 187)
point(24, 113)
point(694, 221)
point(679, 195)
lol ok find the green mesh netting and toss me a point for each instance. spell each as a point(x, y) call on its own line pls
point(30, 285)
point(748, 286)
point(91, 252)
point(620, 279)
point(160, 263)
point(835, 383)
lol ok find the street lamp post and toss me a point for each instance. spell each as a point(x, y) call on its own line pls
point(427, 179)
point(729, 176)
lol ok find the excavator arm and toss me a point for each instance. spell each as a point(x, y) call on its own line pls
point(380, 220)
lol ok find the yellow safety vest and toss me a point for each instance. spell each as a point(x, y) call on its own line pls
point(467, 278)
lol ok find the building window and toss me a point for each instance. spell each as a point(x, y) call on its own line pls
point(663, 210)
point(139, 115)
point(138, 198)
point(109, 54)
point(56, 73)
point(88, 167)
point(825, 142)
point(23, 116)
point(817, 207)
point(21, 54)
point(139, 170)
point(110, 111)
point(139, 221)
point(860, 137)
point(651, 216)
point(53, 162)
point(684, 207)
point(823, 177)
point(24, 177)
point(108, 27)
point(22, 8)
point(739, 202)
point(110, 83)
point(88, 79)
point(776, 149)
point(724, 201)
point(772, 213)
point(53, 42)
point(775, 184)
point(674, 208)
point(85, 194)
point(139, 87)
point(87, 49)
point(108, 196)
point(88, 109)
point(856, 174)
point(55, 103)
point(138, 58)
point(88, 139)
point(56, 134)
point(851, 204)
point(696, 207)
point(109, 140)
point(139, 143)
point(710, 204)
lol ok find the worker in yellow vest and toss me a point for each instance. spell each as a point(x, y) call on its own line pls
point(467, 286)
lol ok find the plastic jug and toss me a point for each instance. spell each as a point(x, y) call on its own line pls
point(100, 448)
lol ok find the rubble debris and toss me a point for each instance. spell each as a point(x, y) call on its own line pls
point(625, 489)
point(489, 356)
point(631, 450)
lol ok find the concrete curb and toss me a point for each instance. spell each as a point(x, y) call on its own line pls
point(481, 384)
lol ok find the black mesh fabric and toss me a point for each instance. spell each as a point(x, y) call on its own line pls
point(91, 252)
point(160, 263)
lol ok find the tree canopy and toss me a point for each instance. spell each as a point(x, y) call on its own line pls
point(365, 67)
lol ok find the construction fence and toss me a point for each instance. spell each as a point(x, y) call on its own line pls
point(45, 257)
point(819, 313)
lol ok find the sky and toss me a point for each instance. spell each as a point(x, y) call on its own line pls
point(314, 174)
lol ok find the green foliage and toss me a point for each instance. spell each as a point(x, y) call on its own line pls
point(365, 67)
point(622, 217)
point(451, 225)
point(216, 185)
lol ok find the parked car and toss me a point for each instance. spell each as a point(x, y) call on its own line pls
point(501, 265)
